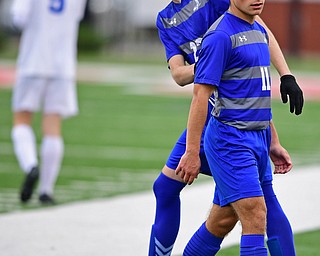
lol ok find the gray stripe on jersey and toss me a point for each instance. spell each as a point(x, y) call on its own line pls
point(184, 14)
point(245, 103)
point(248, 37)
point(254, 125)
point(215, 24)
point(243, 73)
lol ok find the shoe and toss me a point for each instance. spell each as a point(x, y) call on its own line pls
point(29, 184)
point(46, 199)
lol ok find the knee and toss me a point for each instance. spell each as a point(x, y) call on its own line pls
point(166, 187)
point(221, 220)
point(223, 226)
point(158, 187)
point(229, 222)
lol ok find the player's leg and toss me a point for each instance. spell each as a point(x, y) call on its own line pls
point(60, 101)
point(24, 141)
point(251, 208)
point(167, 188)
point(252, 215)
point(51, 154)
point(238, 178)
point(280, 237)
point(25, 101)
point(25, 148)
point(208, 238)
point(221, 220)
point(167, 217)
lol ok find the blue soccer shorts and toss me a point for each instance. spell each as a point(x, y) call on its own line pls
point(239, 161)
point(179, 149)
point(267, 180)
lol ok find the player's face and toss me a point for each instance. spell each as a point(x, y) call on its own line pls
point(177, 1)
point(246, 9)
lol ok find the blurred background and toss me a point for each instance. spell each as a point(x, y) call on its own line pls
point(123, 26)
point(126, 26)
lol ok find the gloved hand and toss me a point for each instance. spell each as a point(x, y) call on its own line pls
point(289, 86)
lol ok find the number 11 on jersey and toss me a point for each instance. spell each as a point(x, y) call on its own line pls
point(265, 76)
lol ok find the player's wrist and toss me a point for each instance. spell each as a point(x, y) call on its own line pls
point(287, 77)
point(193, 150)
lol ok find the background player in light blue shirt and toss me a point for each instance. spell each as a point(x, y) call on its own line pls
point(181, 28)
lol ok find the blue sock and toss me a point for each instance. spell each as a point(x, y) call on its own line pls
point(253, 245)
point(280, 237)
point(203, 243)
point(167, 220)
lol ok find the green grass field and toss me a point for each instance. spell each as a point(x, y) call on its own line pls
point(116, 145)
point(120, 141)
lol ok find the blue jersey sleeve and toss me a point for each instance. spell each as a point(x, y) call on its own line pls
point(213, 58)
point(170, 46)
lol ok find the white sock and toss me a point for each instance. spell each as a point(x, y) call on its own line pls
point(52, 149)
point(24, 145)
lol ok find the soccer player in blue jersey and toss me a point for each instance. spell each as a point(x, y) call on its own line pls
point(234, 64)
point(181, 27)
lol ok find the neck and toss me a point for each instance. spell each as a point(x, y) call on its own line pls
point(242, 15)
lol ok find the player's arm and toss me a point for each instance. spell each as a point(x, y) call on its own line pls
point(277, 57)
point(288, 86)
point(20, 13)
point(278, 154)
point(181, 73)
point(189, 165)
point(81, 7)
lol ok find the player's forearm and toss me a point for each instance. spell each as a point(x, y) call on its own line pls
point(183, 75)
point(274, 135)
point(196, 120)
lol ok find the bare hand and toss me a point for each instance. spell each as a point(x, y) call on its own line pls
point(189, 167)
point(281, 159)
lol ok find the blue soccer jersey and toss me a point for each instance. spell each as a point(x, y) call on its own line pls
point(182, 26)
point(236, 59)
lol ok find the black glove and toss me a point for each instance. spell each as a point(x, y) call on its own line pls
point(289, 86)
